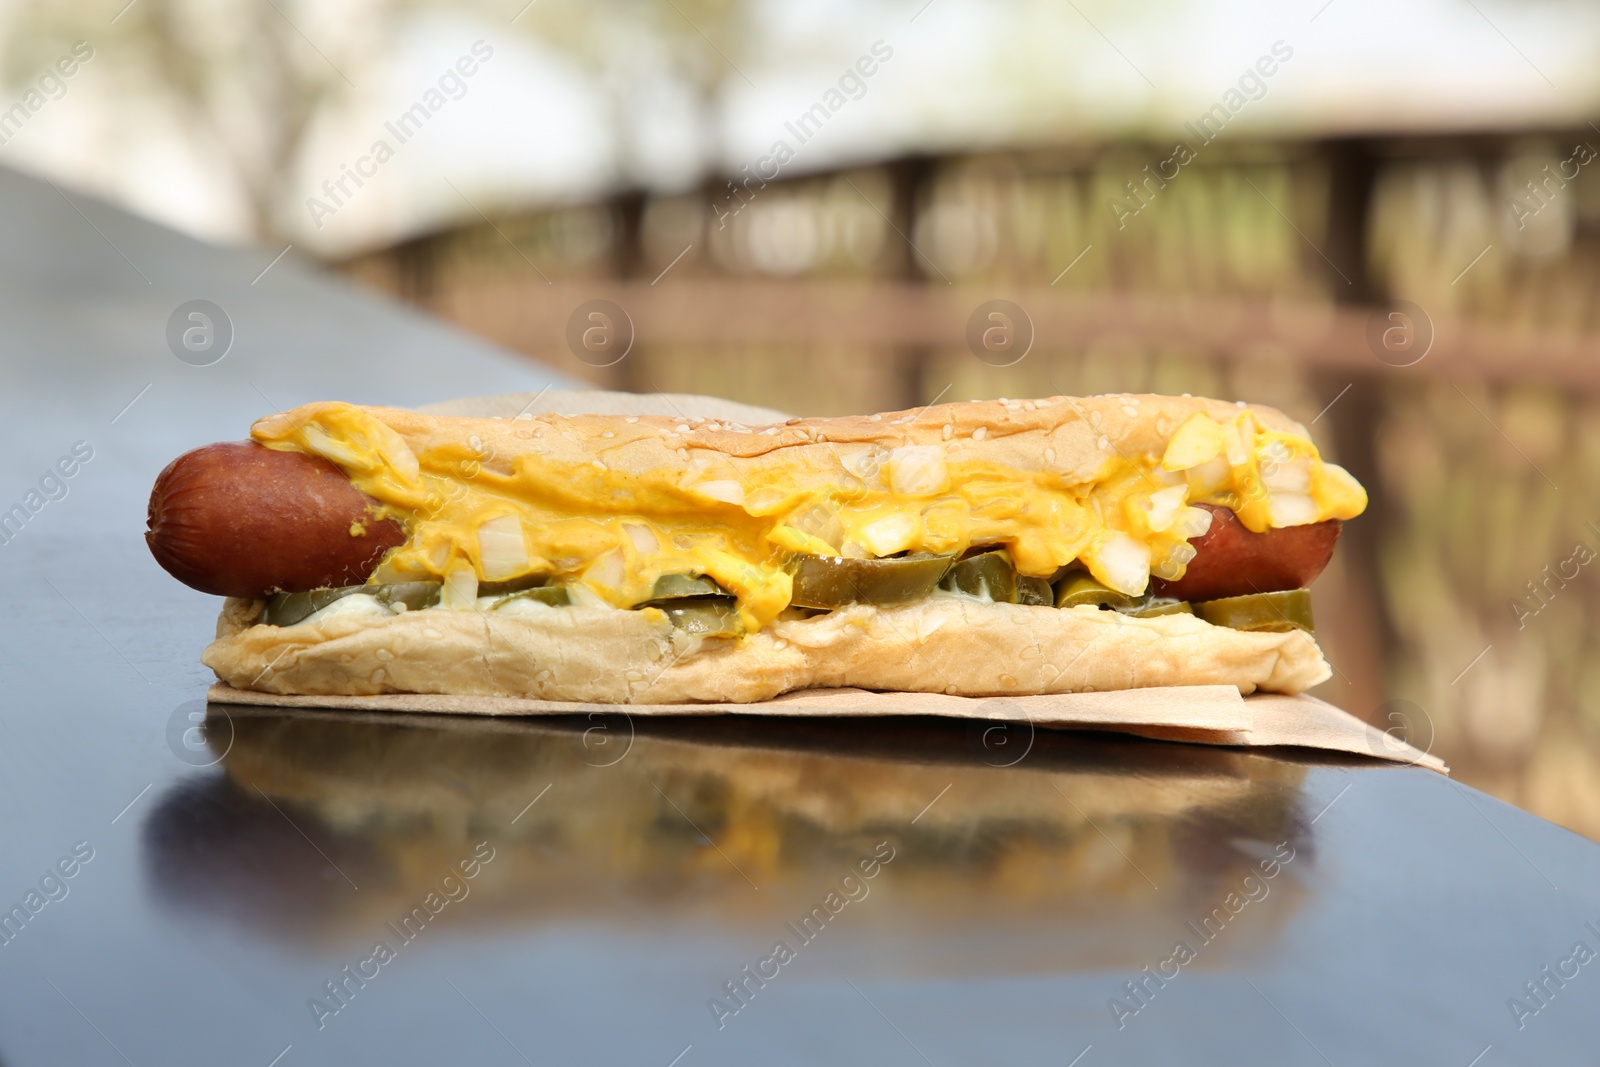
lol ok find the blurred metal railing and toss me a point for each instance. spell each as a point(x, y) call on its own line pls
point(1428, 302)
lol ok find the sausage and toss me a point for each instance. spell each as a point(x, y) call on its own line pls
point(1231, 560)
point(242, 520)
point(239, 519)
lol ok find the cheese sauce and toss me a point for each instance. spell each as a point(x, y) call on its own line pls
point(616, 532)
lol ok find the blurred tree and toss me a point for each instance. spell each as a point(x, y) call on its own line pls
point(244, 82)
point(240, 81)
point(637, 49)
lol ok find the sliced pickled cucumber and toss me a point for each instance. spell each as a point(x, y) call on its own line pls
point(514, 585)
point(836, 581)
point(992, 575)
point(286, 609)
point(554, 595)
point(1152, 608)
point(1081, 587)
point(678, 586)
point(414, 595)
point(987, 574)
point(1278, 612)
point(1035, 591)
point(709, 616)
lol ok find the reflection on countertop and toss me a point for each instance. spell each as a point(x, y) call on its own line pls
point(727, 823)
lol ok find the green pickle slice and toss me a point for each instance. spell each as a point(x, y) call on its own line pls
point(678, 586)
point(837, 581)
point(988, 574)
point(1279, 612)
point(992, 574)
point(414, 595)
point(1080, 588)
point(1161, 607)
point(554, 595)
point(710, 616)
point(1035, 591)
point(287, 609)
point(514, 585)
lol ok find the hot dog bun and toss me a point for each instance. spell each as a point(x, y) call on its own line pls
point(942, 644)
point(939, 644)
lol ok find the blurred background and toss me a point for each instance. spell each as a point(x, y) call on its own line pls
point(1380, 218)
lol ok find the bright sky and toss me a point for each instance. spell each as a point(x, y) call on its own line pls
point(533, 126)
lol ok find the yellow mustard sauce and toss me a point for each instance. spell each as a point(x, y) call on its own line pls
point(615, 532)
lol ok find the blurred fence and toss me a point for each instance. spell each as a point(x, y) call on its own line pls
point(1428, 303)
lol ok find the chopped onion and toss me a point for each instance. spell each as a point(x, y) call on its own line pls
point(1164, 507)
point(643, 538)
point(374, 444)
point(1293, 476)
point(1166, 477)
point(1209, 476)
point(334, 450)
point(819, 521)
point(918, 470)
point(1291, 509)
point(1198, 441)
point(607, 572)
point(502, 552)
point(1172, 567)
point(726, 490)
point(1235, 444)
point(864, 463)
point(1123, 564)
point(1343, 480)
point(1194, 522)
point(889, 535)
point(460, 590)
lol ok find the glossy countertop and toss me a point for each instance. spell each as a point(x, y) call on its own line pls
point(251, 886)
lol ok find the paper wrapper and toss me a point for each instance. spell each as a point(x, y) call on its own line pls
point(1203, 714)
point(1198, 714)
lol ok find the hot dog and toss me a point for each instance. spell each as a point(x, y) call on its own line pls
point(1230, 560)
point(240, 520)
point(550, 556)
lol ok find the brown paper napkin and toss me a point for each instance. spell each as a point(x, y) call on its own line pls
point(1201, 714)
point(1198, 714)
